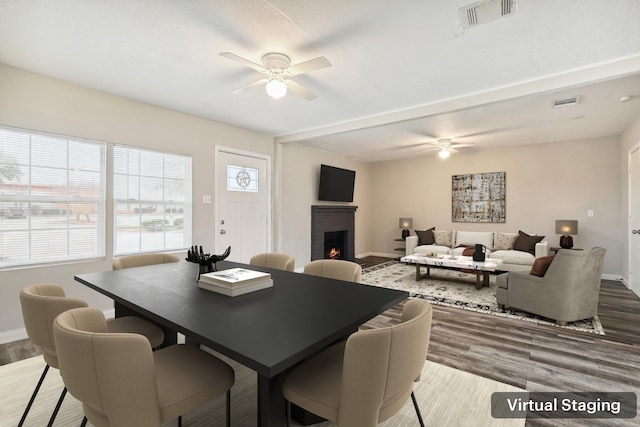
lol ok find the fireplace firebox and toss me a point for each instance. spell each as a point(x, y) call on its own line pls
point(335, 244)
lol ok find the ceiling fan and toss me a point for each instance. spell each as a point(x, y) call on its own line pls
point(445, 147)
point(278, 71)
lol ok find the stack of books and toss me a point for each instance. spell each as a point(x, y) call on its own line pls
point(235, 281)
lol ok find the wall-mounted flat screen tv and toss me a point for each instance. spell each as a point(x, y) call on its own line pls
point(336, 184)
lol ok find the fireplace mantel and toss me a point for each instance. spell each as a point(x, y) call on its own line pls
point(327, 218)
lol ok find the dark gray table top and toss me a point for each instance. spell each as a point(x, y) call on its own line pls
point(268, 330)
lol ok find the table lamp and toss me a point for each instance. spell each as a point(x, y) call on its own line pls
point(405, 224)
point(566, 227)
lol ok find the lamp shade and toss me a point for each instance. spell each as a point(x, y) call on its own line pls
point(406, 223)
point(567, 227)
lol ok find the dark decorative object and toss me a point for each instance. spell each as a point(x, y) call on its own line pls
point(207, 261)
point(479, 254)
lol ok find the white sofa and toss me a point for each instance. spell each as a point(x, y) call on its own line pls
point(503, 246)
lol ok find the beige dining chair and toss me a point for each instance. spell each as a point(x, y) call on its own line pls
point(276, 260)
point(335, 269)
point(369, 377)
point(143, 259)
point(41, 303)
point(122, 383)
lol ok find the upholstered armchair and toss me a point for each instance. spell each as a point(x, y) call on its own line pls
point(567, 292)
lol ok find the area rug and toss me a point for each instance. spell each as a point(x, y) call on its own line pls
point(457, 289)
point(447, 397)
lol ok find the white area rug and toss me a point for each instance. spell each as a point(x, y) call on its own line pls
point(447, 397)
point(456, 289)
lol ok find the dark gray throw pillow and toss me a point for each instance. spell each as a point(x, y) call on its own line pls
point(526, 243)
point(426, 237)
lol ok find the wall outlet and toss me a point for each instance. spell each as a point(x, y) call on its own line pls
point(590, 213)
point(206, 200)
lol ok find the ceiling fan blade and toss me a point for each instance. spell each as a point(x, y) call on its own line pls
point(298, 89)
point(250, 86)
point(241, 60)
point(462, 145)
point(310, 65)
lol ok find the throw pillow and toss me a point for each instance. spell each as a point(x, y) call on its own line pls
point(540, 265)
point(425, 237)
point(526, 243)
point(468, 251)
point(504, 242)
point(442, 237)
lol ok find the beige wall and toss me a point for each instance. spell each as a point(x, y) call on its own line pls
point(299, 185)
point(35, 102)
point(544, 183)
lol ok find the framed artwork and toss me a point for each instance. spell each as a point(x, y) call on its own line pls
point(478, 197)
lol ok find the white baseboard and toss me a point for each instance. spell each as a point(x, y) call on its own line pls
point(14, 335)
point(21, 333)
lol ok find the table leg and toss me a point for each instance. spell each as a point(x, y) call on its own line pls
point(478, 283)
point(170, 336)
point(271, 402)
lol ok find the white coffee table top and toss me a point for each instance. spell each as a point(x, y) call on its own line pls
point(489, 264)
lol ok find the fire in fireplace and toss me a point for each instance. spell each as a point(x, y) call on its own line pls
point(335, 244)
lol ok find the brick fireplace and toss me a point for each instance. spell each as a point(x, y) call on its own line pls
point(332, 230)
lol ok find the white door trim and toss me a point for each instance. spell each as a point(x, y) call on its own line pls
point(221, 148)
point(629, 227)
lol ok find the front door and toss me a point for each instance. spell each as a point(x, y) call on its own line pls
point(242, 203)
point(634, 219)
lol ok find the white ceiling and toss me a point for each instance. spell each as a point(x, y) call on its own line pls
point(403, 72)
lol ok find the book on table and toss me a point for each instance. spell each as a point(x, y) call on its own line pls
point(235, 281)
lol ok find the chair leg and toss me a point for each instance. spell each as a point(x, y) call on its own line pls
point(33, 396)
point(180, 421)
point(288, 415)
point(229, 408)
point(57, 408)
point(415, 405)
point(84, 422)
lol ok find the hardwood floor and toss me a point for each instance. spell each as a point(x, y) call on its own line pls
point(524, 354)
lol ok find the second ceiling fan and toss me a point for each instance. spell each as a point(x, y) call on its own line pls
point(278, 71)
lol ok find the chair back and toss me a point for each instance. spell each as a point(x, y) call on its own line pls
point(41, 303)
point(276, 260)
point(580, 275)
point(143, 259)
point(381, 365)
point(112, 374)
point(335, 269)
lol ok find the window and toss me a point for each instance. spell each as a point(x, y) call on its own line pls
point(152, 200)
point(52, 198)
point(240, 178)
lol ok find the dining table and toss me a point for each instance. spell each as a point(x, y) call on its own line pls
point(269, 331)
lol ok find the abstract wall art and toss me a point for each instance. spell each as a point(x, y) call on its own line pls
point(478, 197)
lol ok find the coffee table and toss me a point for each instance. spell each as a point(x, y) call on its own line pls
point(457, 263)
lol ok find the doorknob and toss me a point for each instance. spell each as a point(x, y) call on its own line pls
point(223, 232)
point(635, 231)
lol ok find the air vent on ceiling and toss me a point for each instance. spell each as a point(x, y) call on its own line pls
point(485, 11)
point(566, 102)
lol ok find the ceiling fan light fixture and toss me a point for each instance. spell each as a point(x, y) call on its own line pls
point(444, 153)
point(276, 88)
